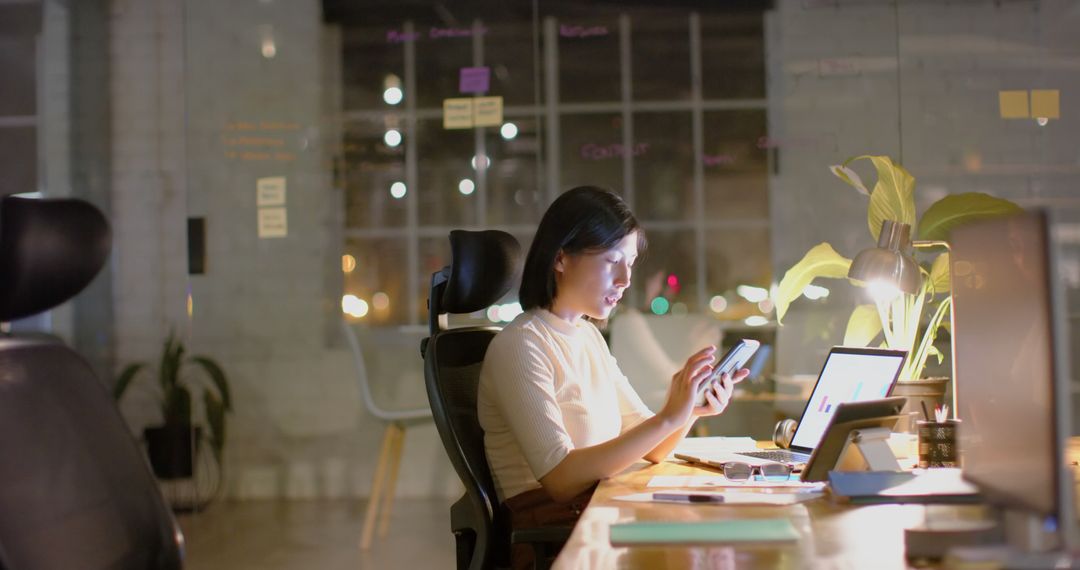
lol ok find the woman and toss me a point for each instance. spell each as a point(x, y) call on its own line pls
point(557, 413)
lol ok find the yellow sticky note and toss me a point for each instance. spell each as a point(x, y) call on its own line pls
point(488, 111)
point(1013, 104)
point(273, 223)
point(1046, 103)
point(270, 191)
point(458, 113)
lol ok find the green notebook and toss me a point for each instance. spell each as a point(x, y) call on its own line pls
point(703, 532)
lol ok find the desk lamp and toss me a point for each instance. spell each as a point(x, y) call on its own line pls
point(889, 265)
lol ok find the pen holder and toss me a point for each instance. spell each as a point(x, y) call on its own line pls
point(937, 444)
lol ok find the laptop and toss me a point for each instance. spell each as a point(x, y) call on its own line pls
point(848, 375)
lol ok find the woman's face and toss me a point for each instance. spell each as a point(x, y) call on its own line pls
point(592, 283)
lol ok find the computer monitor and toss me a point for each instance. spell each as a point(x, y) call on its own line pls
point(1012, 376)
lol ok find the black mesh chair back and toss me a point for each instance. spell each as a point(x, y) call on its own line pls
point(75, 489)
point(49, 251)
point(483, 268)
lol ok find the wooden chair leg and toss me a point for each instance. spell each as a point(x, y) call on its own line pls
point(376, 488)
point(391, 481)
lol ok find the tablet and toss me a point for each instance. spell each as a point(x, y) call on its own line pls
point(849, 416)
point(735, 358)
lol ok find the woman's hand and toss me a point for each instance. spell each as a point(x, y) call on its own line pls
point(679, 407)
point(718, 396)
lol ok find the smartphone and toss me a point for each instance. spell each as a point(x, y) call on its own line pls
point(735, 358)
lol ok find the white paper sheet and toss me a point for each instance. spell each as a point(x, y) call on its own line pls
point(732, 498)
point(697, 445)
point(698, 481)
point(716, 442)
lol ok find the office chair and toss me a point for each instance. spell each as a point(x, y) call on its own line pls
point(75, 489)
point(484, 266)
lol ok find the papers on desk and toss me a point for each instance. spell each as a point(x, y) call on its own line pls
point(727, 498)
point(697, 481)
point(699, 445)
point(939, 485)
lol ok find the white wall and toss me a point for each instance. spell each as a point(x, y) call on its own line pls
point(185, 74)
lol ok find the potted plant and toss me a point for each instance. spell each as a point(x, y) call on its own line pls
point(900, 320)
point(170, 446)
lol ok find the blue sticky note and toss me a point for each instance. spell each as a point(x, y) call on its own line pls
point(475, 79)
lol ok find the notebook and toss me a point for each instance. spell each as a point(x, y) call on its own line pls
point(743, 531)
point(848, 375)
point(926, 486)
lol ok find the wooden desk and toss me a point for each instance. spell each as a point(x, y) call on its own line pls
point(831, 535)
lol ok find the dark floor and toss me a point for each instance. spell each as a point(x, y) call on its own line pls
point(325, 535)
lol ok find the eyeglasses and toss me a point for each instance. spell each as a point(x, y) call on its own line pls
point(739, 471)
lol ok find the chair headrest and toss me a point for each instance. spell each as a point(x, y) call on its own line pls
point(49, 251)
point(484, 266)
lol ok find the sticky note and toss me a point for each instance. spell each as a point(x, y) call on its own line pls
point(474, 79)
point(458, 113)
point(1046, 103)
point(273, 223)
point(488, 111)
point(270, 191)
point(1013, 104)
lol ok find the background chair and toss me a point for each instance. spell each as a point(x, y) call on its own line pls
point(397, 421)
point(75, 488)
point(651, 348)
point(484, 266)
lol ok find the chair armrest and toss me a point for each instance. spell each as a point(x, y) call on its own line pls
point(557, 534)
point(546, 543)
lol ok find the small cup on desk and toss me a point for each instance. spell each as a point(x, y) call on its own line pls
point(937, 444)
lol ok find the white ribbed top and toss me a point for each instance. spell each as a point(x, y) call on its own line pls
point(548, 386)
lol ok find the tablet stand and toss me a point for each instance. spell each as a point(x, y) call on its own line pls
point(867, 449)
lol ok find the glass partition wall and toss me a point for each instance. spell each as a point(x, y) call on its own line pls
point(597, 96)
point(323, 177)
point(273, 169)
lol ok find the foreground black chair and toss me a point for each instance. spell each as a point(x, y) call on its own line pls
point(75, 489)
point(484, 266)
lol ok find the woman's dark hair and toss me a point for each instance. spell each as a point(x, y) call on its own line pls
point(582, 219)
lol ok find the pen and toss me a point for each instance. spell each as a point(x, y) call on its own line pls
point(688, 497)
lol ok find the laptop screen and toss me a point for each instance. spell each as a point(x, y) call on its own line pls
point(849, 375)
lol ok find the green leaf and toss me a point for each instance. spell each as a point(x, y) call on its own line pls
point(217, 375)
point(821, 261)
point(917, 359)
point(893, 197)
point(215, 416)
point(939, 273)
point(863, 326)
point(125, 378)
point(850, 176)
point(177, 406)
point(945, 214)
point(933, 351)
point(169, 371)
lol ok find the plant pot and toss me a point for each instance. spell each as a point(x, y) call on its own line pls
point(172, 450)
point(924, 391)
